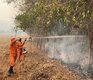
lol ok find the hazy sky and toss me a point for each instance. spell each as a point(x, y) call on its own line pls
point(7, 15)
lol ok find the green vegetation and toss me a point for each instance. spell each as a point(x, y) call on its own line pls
point(43, 15)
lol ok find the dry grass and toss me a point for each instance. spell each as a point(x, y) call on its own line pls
point(4, 53)
point(35, 67)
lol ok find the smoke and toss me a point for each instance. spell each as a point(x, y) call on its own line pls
point(72, 50)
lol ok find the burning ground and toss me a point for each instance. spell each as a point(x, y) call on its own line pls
point(37, 66)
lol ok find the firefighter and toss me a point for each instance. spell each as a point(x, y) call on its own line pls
point(20, 49)
point(13, 55)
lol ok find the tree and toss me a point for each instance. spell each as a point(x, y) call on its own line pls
point(44, 15)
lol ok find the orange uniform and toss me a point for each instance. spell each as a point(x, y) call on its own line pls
point(20, 50)
point(13, 52)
